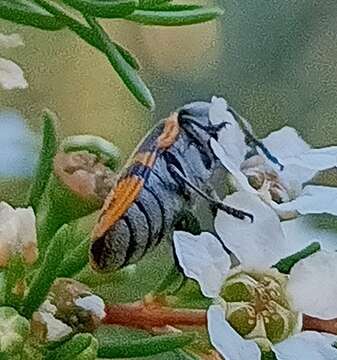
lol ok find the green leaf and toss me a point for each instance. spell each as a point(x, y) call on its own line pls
point(171, 283)
point(60, 205)
point(176, 7)
point(127, 73)
point(128, 57)
point(174, 18)
point(145, 347)
point(103, 149)
point(25, 13)
point(190, 296)
point(76, 261)
point(46, 274)
point(45, 166)
point(120, 286)
point(80, 347)
point(103, 8)
point(285, 265)
point(151, 4)
point(97, 37)
point(14, 273)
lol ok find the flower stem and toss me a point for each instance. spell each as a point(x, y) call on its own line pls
point(144, 316)
point(315, 324)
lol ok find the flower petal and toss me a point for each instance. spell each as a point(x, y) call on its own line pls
point(231, 138)
point(27, 228)
point(27, 234)
point(285, 143)
point(259, 244)
point(202, 258)
point(226, 340)
point(313, 200)
point(312, 285)
point(300, 161)
point(93, 304)
point(304, 231)
point(8, 232)
point(11, 75)
point(55, 329)
point(10, 41)
point(307, 345)
point(232, 166)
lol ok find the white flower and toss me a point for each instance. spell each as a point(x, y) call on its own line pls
point(17, 234)
point(203, 258)
point(284, 190)
point(312, 285)
point(230, 147)
point(11, 75)
point(301, 164)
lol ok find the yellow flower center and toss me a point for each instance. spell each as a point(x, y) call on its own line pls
point(257, 306)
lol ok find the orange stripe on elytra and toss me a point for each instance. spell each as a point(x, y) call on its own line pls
point(147, 158)
point(125, 193)
point(170, 132)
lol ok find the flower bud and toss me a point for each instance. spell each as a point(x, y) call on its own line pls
point(14, 330)
point(76, 305)
point(81, 179)
point(257, 307)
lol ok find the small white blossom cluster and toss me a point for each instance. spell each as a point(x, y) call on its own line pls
point(256, 308)
point(11, 75)
point(17, 234)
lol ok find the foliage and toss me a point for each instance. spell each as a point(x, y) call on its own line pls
point(81, 17)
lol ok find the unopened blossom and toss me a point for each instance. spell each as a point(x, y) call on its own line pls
point(282, 187)
point(256, 307)
point(17, 234)
point(76, 305)
point(11, 75)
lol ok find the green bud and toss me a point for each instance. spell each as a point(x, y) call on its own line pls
point(257, 307)
point(78, 185)
point(76, 305)
point(14, 330)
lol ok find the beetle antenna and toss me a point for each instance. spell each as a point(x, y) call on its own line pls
point(215, 204)
point(251, 140)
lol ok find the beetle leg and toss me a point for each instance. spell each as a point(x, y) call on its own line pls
point(213, 202)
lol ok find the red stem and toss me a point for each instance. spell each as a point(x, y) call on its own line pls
point(155, 315)
point(311, 323)
point(151, 316)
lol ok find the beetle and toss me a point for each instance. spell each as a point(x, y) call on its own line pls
point(172, 164)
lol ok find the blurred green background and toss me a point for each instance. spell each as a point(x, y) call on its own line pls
point(274, 61)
